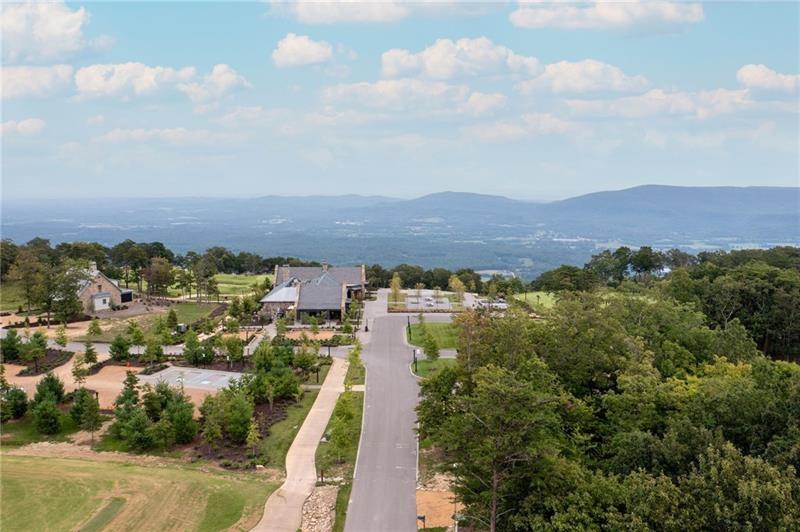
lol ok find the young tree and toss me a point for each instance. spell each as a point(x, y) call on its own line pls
point(89, 353)
point(396, 286)
point(153, 352)
point(47, 417)
point(234, 349)
point(430, 346)
point(94, 329)
point(79, 370)
point(49, 387)
point(35, 349)
point(91, 420)
point(235, 308)
point(172, 319)
point(305, 358)
point(192, 350)
point(239, 414)
point(280, 326)
point(17, 402)
point(11, 346)
point(314, 322)
point(61, 336)
point(79, 401)
point(253, 436)
point(212, 427)
point(163, 433)
point(119, 349)
point(136, 335)
point(137, 431)
point(457, 286)
point(181, 416)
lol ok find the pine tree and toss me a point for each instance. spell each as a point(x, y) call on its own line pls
point(61, 336)
point(89, 353)
point(94, 329)
point(119, 349)
point(172, 319)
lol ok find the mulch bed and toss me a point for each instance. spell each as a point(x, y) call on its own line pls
point(240, 456)
point(52, 359)
point(94, 369)
point(42, 322)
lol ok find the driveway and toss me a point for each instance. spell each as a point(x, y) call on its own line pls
point(384, 484)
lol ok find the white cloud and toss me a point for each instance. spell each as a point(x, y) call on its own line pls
point(529, 125)
point(29, 126)
point(126, 78)
point(34, 81)
point(296, 50)
point(174, 136)
point(35, 31)
point(334, 11)
point(763, 77)
point(96, 120)
point(218, 83)
point(588, 75)
point(480, 103)
point(701, 104)
point(446, 59)
point(605, 15)
point(399, 94)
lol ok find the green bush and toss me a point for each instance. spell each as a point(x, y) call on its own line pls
point(47, 417)
point(17, 402)
point(80, 399)
point(50, 387)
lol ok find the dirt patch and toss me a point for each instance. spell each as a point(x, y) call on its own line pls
point(84, 437)
point(321, 335)
point(438, 507)
point(72, 450)
point(319, 509)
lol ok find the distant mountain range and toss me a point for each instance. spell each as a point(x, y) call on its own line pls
point(448, 229)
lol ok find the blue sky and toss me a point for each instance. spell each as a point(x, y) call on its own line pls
point(534, 101)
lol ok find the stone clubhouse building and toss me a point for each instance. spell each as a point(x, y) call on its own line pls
point(324, 292)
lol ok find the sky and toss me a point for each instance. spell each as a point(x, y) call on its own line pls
point(531, 100)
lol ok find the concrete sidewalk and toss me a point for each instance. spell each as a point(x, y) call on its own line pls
point(283, 511)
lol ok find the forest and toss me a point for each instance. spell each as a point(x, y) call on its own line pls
point(643, 399)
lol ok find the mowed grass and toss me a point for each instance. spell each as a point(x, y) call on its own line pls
point(237, 285)
point(343, 466)
point(281, 435)
point(11, 296)
point(445, 334)
point(23, 431)
point(41, 493)
point(538, 300)
point(427, 368)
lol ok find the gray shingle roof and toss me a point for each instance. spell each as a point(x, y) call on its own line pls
point(349, 275)
point(322, 293)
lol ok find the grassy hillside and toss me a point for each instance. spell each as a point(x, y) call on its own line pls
point(66, 494)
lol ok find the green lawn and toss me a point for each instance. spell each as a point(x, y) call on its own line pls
point(538, 300)
point(445, 334)
point(327, 460)
point(237, 285)
point(11, 296)
point(22, 431)
point(357, 374)
point(323, 372)
point(281, 434)
point(41, 493)
point(426, 368)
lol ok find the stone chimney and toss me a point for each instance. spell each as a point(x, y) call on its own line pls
point(92, 267)
point(324, 265)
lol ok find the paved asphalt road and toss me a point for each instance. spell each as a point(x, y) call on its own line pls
point(384, 486)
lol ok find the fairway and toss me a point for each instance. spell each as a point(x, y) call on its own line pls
point(66, 494)
point(236, 285)
point(445, 334)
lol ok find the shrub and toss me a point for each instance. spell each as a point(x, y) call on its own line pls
point(80, 400)
point(137, 431)
point(47, 417)
point(50, 387)
point(240, 411)
point(181, 416)
point(17, 402)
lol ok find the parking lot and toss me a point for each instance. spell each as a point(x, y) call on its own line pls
point(426, 301)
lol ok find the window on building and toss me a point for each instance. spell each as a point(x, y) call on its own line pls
point(105, 301)
point(99, 287)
